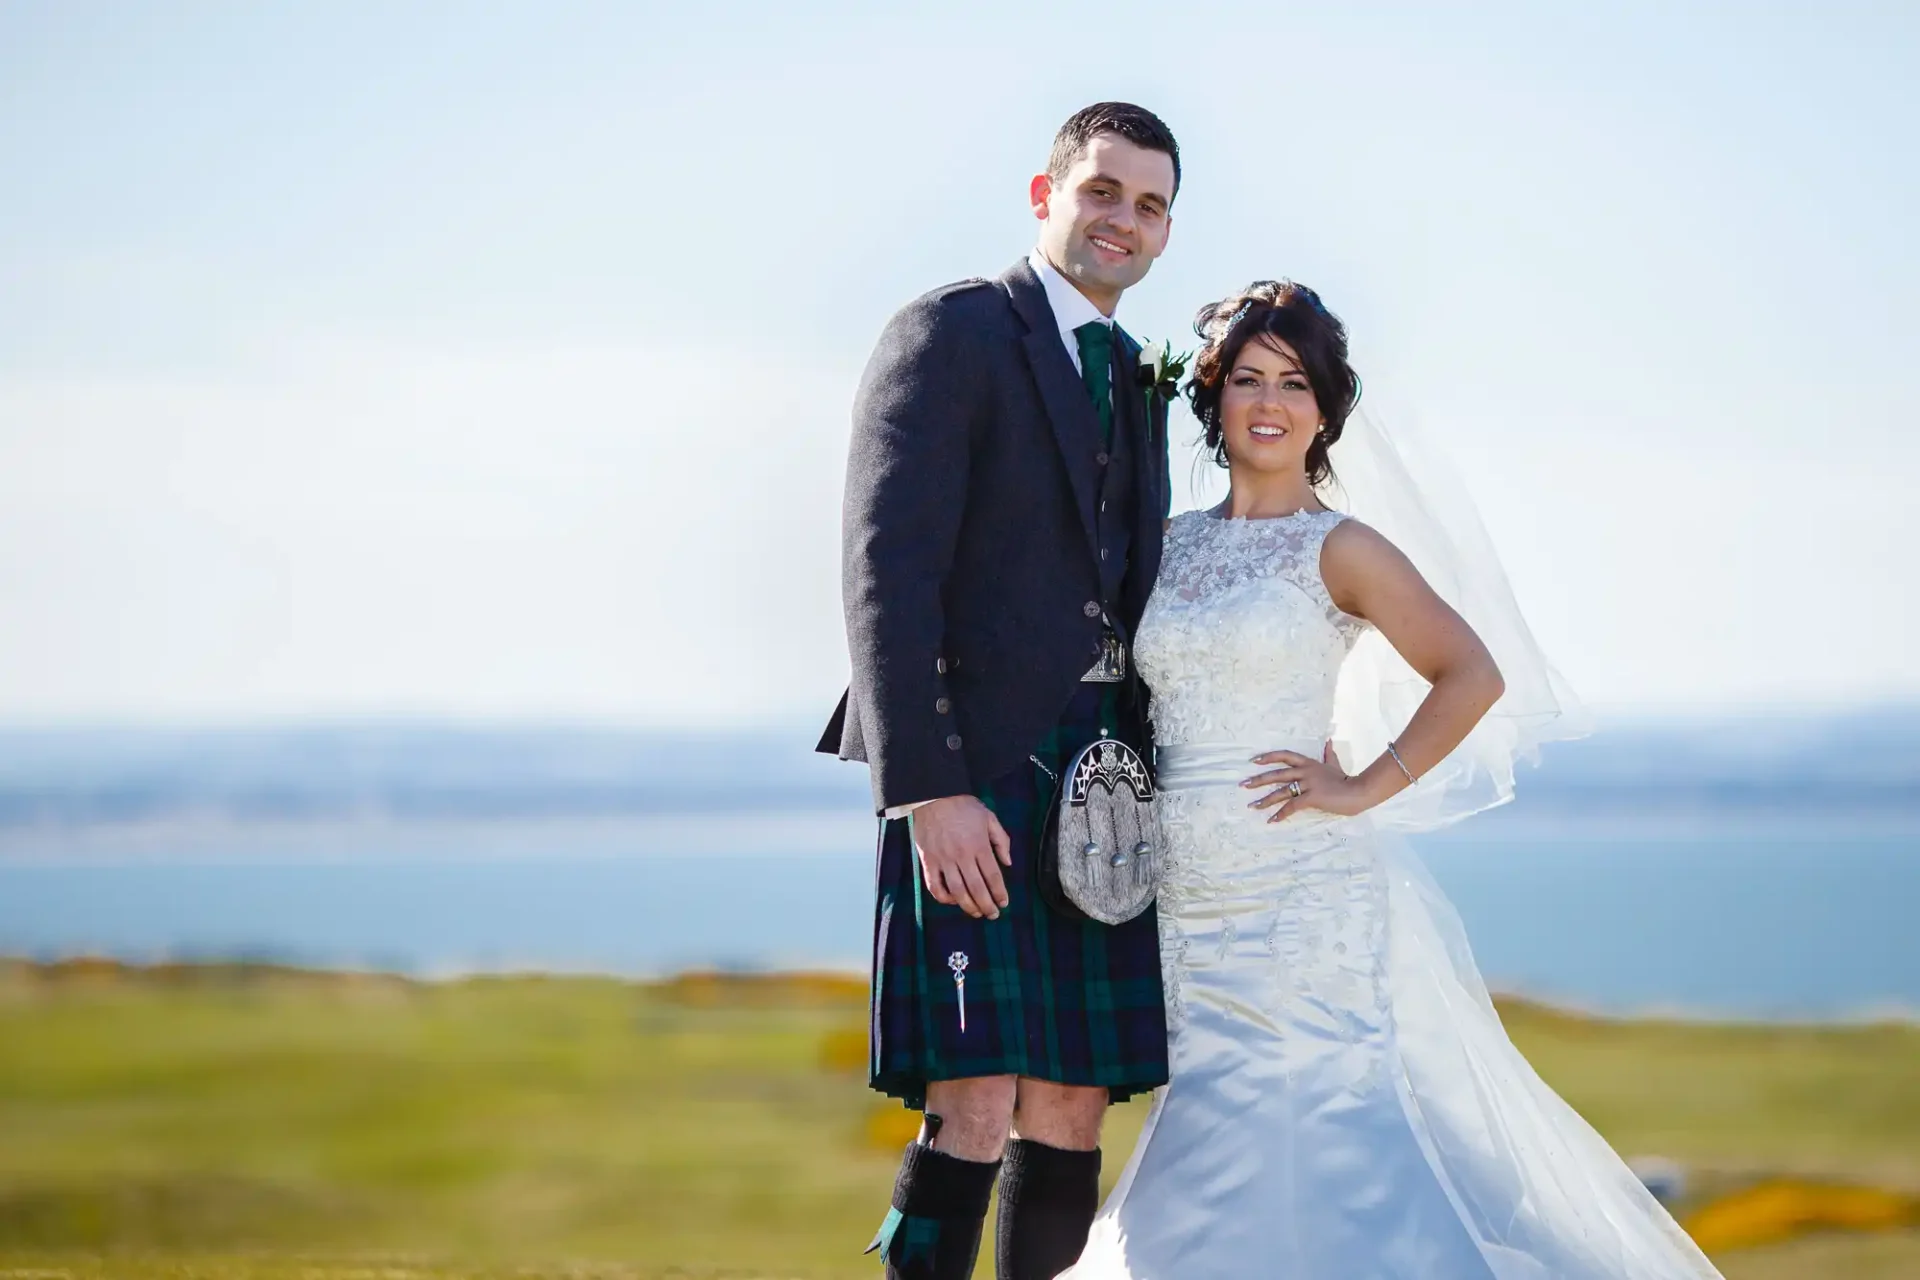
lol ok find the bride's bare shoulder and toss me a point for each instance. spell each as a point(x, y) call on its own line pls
point(1356, 559)
point(1350, 538)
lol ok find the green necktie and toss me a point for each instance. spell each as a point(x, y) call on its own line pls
point(1096, 370)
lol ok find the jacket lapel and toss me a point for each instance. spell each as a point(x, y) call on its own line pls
point(1145, 421)
point(1129, 401)
point(1139, 418)
point(1076, 427)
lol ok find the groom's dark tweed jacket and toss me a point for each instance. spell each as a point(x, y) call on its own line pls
point(972, 570)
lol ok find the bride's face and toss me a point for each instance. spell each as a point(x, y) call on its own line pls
point(1268, 412)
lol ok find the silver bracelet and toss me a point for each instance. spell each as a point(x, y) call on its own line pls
point(1393, 751)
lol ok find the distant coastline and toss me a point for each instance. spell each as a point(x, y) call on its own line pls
point(1863, 765)
point(1748, 870)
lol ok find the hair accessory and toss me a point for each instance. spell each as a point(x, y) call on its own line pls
point(1284, 291)
point(1239, 314)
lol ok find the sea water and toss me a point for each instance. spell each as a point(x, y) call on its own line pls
point(1695, 914)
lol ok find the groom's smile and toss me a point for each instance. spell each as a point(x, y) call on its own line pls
point(1106, 218)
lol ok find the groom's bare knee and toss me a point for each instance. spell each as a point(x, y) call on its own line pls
point(1067, 1116)
point(975, 1115)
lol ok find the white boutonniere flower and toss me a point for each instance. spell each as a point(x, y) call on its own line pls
point(1160, 370)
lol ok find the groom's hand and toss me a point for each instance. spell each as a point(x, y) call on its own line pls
point(962, 847)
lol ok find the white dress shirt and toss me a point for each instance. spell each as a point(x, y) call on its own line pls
point(1071, 309)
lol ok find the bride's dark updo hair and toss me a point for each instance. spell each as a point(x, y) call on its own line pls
point(1294, 314)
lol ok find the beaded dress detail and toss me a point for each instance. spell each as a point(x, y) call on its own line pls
point(1344, 1103)
point(1240, 641)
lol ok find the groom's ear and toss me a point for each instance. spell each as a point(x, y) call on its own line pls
point(1039, 192)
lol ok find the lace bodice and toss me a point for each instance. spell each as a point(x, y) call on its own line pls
point(1241, 642)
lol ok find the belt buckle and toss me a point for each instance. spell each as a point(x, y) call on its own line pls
point(1111, 666)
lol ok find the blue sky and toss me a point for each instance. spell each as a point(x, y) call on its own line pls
point(494, 360)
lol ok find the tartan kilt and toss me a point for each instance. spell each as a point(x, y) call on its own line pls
point(1072, 1001)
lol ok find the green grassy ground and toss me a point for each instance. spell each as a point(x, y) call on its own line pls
point(269, 1125)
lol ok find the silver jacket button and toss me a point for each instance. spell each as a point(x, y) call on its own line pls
point(1091, 608)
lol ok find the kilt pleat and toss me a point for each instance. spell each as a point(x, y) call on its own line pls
point(1071, 1001)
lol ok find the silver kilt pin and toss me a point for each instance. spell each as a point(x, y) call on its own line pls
point(958, 963)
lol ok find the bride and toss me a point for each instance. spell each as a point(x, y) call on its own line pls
point(1344, 1104)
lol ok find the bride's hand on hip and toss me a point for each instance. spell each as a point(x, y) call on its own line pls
point(1305, 783)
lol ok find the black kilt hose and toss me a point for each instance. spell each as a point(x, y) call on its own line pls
point(1072, 1001)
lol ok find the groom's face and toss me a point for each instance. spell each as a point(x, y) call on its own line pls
point(1106, 219)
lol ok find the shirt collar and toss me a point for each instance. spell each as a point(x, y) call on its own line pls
point(1071, 309)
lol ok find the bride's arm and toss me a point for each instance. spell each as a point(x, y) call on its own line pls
point(1368, 577)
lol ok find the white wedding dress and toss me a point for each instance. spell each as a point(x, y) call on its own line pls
point(1344, 1103)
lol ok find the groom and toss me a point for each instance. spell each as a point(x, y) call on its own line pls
point(1006, 492)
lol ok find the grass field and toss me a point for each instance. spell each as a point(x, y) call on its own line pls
point(254, 1123)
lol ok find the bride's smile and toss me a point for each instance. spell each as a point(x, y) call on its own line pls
point(1268, 412)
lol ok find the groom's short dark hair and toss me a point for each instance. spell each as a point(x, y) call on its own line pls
point(1136, 124)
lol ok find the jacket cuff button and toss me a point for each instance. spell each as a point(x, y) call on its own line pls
point(1091, 608)
point(953, 742)
point(942, 705)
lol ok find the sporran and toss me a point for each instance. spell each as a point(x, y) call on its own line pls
point(1103, 856)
